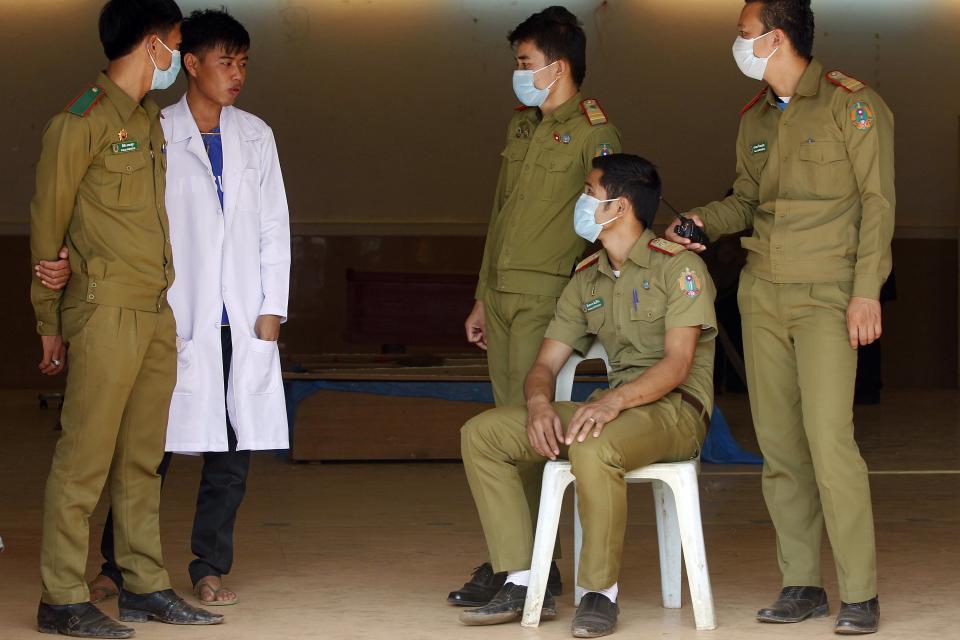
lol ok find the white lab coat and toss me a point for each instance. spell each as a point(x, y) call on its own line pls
point(239, 257)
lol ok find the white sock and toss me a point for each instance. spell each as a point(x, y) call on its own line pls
point(519, 578)
point(610, 592)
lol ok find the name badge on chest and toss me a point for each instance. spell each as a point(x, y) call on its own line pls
point(593, 305)
point(126, 147)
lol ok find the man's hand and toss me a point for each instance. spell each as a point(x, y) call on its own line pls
point(54, 355)
point(54, 275)
point(864, 322)
point(593, 417)
point(544, 430)
point(268, 328)
point(672, 236)
point(476, 326)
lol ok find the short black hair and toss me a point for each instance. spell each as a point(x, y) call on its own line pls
point(558, 34)
point(634, 178)
point(793, 17)
point(125, 23)
point(207, 29)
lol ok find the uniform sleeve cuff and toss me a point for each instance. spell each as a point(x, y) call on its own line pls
point(481, 291)
point(48, 325)
point(867, 286)
point(576, 340)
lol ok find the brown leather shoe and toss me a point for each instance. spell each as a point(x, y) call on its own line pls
point(796, 604)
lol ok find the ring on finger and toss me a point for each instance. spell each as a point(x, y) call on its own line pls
point(56, 362)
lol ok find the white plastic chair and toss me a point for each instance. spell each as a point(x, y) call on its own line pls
point(676, 497)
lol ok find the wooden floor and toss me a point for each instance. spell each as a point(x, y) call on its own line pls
point(370, 550)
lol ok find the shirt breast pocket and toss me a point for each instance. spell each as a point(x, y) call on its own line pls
point(125, 180)
point(513, 156)
point(647, 323)
point(824, 168)
point(556, 182)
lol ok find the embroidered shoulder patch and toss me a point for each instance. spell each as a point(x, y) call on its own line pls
point(594, 113)
point(82, 104)
point(849, 83)
point(662, 245)
point(586, 262)
point(603, 149)
point(861, 115)
point(689, 283)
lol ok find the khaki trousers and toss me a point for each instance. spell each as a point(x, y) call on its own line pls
point(494, 444)
point(123, 368)
point(800, 373)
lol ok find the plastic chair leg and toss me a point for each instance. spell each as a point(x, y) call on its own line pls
point(578, 591)
point(556, 478)
point(687, 501)
point(668, 537)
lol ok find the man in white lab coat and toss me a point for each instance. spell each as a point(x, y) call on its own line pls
point(229, 227)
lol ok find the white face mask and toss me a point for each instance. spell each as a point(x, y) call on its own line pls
point(751, 65)
point(585, 222)
point(526, 90)
point(163, 78)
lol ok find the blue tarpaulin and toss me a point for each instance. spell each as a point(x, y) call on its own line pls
point(719, 448)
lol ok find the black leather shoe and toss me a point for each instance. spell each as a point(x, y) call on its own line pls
point(80, 621)
point(507, 606)
point(484, 584)
point(858, 618)
point(596, 616)
point(795, 604)
point(162, 606)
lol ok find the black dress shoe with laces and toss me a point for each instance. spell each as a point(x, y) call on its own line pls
point(484, 584)
point(507, 606)
point(163, 606)
point(596, 616)
point(796, 604)
point(80, 621)
point(858, 618)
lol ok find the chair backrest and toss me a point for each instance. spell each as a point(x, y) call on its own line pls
point(569, 370)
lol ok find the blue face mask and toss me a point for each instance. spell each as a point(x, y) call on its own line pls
point(526, 90)
point(585, 217)
point(163, 78)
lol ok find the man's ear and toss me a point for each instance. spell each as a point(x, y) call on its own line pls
point(779, 38)
point(192, 64)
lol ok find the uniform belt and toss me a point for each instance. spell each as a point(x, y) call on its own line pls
point(696, 404)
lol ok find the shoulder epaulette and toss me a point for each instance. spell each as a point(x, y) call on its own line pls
point(839, 78)
point(587, 262)
point(757, 98)
point(594, 113)
point(521, 107)
point(662, 245)
point(82, 104)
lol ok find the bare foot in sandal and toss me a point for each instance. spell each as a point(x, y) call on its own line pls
point(102, 588)
point(211, 592)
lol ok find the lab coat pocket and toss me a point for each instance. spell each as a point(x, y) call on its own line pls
point(249, 192)
point(186, 367)
point(263, 367)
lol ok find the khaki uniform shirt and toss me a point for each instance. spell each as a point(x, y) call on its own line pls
point(631, 315)
point(531, 246)
point(100, 189)
point(816, 184)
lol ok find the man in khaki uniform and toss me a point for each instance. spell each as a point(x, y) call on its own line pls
point(531, 249)
point(100, 190)
point(815, 180)
point(650, 304)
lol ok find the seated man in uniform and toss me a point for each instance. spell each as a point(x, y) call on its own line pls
point(650, 303)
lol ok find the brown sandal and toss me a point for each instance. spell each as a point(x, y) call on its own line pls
point(204, 585)
point(102, 588)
